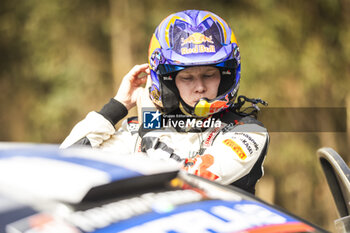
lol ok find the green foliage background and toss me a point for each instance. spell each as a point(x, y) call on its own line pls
point(62, 59)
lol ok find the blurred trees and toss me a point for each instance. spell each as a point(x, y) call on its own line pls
point(54, 56)
point(62, 59)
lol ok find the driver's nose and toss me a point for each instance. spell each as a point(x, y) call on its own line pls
point(200, 86)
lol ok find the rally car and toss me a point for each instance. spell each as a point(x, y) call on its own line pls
point(45, 189)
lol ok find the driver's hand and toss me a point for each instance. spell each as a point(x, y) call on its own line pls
point(131, 86)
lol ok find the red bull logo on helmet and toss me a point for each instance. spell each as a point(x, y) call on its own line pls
point(197, 39)
point(204, 108)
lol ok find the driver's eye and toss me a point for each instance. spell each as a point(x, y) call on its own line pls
point(186, 78)
point(209, 75)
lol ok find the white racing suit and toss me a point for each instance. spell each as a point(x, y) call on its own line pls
point(232, 153)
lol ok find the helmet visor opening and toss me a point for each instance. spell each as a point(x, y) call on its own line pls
point(165, 69)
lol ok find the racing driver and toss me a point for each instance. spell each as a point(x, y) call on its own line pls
point(193, 76)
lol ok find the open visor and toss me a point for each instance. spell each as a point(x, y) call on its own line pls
point(165, 69)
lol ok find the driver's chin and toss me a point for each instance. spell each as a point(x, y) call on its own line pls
point(192, 104)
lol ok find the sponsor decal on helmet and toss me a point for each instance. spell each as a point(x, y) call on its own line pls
point(226, 72)
point(198, 49)
point(197, 39)
point(156, 58)
point(205, 108)
point(236, 148)
point(155, 96)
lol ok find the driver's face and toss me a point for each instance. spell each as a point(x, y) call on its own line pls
point(198, 82)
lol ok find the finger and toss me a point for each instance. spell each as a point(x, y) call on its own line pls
point(149, 81)
point(140, 81)
point(138, 69)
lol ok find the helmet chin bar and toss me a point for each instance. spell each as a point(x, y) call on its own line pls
point(204, 107)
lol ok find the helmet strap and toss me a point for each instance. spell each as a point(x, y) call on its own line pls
point(169, 95)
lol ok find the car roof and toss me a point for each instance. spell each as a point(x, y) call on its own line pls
point(95, 191)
